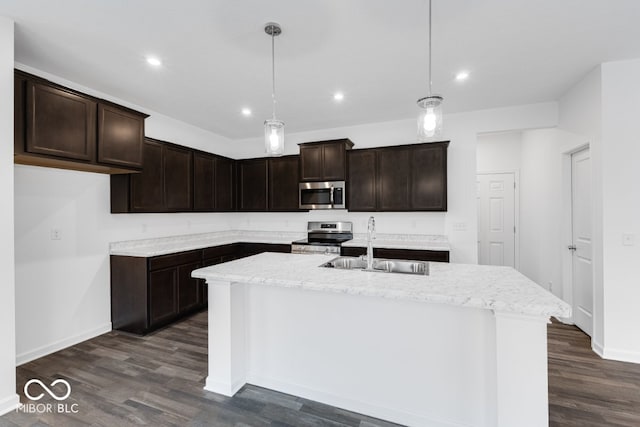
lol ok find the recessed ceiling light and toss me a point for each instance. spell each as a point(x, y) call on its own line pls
point(338, 96)
point(246, 112)
point(462, 76)
point(152, 60)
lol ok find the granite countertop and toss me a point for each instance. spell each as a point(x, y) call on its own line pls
point(502, 289)
point(174, 244)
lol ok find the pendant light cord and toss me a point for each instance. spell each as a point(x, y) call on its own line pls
point(273, 73)
point(429, 93)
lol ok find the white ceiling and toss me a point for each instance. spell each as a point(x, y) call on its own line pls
point(217, 57)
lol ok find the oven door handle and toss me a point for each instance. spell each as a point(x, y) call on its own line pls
point(331, 199)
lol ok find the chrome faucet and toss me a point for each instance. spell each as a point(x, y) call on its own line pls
point(371, 234)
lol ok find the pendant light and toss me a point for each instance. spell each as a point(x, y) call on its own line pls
point(273, 128)
point(430, 115)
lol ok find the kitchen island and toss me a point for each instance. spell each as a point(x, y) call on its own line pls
point(464, 346)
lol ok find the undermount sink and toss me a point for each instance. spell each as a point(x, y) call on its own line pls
point(380, 265)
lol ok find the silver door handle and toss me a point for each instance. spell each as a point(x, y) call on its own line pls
point(572, 247)
point(331, 195)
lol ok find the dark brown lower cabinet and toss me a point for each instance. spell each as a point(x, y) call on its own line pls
point(148, 293)
point(411, 254)
point(189, 289)
point(162, 296)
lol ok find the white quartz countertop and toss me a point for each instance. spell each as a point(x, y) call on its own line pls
point(174, 244)
point(502, 289)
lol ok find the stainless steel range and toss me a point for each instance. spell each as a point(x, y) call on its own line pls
point(324, 237)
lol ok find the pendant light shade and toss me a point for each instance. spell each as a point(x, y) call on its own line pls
point(274, 137)
point(430, 118)
point(273, 128)
point(430, 114)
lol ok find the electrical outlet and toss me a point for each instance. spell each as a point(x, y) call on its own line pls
point(628, 239)
point(56, 234)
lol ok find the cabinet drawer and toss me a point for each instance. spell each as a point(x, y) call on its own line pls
point(172, 260)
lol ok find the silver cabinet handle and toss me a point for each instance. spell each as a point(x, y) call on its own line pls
point(572, 247)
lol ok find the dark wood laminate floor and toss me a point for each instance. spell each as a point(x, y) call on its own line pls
point(121, 380)
point(585, 390)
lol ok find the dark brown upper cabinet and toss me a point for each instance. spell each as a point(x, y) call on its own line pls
point(225, 184)
point(361, 181)
point(164, 185)
point(253, 176)
point(324, 160)
point(58, 127)
point(429, 177)
point(178, 178)
point(399, 178)
point(146, 188)
point(120, 136)
point(204, 178)
point(60, 123)
point(393, 179)
point(283, 183)
point(213, 183)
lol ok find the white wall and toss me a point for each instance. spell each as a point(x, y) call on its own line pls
point(621, 208)
point(8, 396)
point(580, 113)
point(499, 152)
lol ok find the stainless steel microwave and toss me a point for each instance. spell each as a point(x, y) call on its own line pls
point(323, 195)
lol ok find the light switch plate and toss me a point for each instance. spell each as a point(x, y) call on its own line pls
point(56, 234)
point(628, 239)
point(459, 226)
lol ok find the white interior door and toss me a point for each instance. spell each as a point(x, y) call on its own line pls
point(582, 275)
point(496, 219)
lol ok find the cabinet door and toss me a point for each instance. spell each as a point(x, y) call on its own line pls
point(177, 178)
point(253, 184)
point(311, 163)
point(393, 179)
point(189, 289)
point(60, 123)
point(333, 162)
point(429, 177)
point(203, 182)
point(283, 183)
point(120, 136)
point(225, 184)
point(361, 191)
point(162, 295)
point(147, 189)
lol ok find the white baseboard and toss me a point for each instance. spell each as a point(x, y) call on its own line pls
point(226, 389)
point(618, 355)
point(30, 355)
point(384, 413)
point(9, 403)
point(597, 348)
